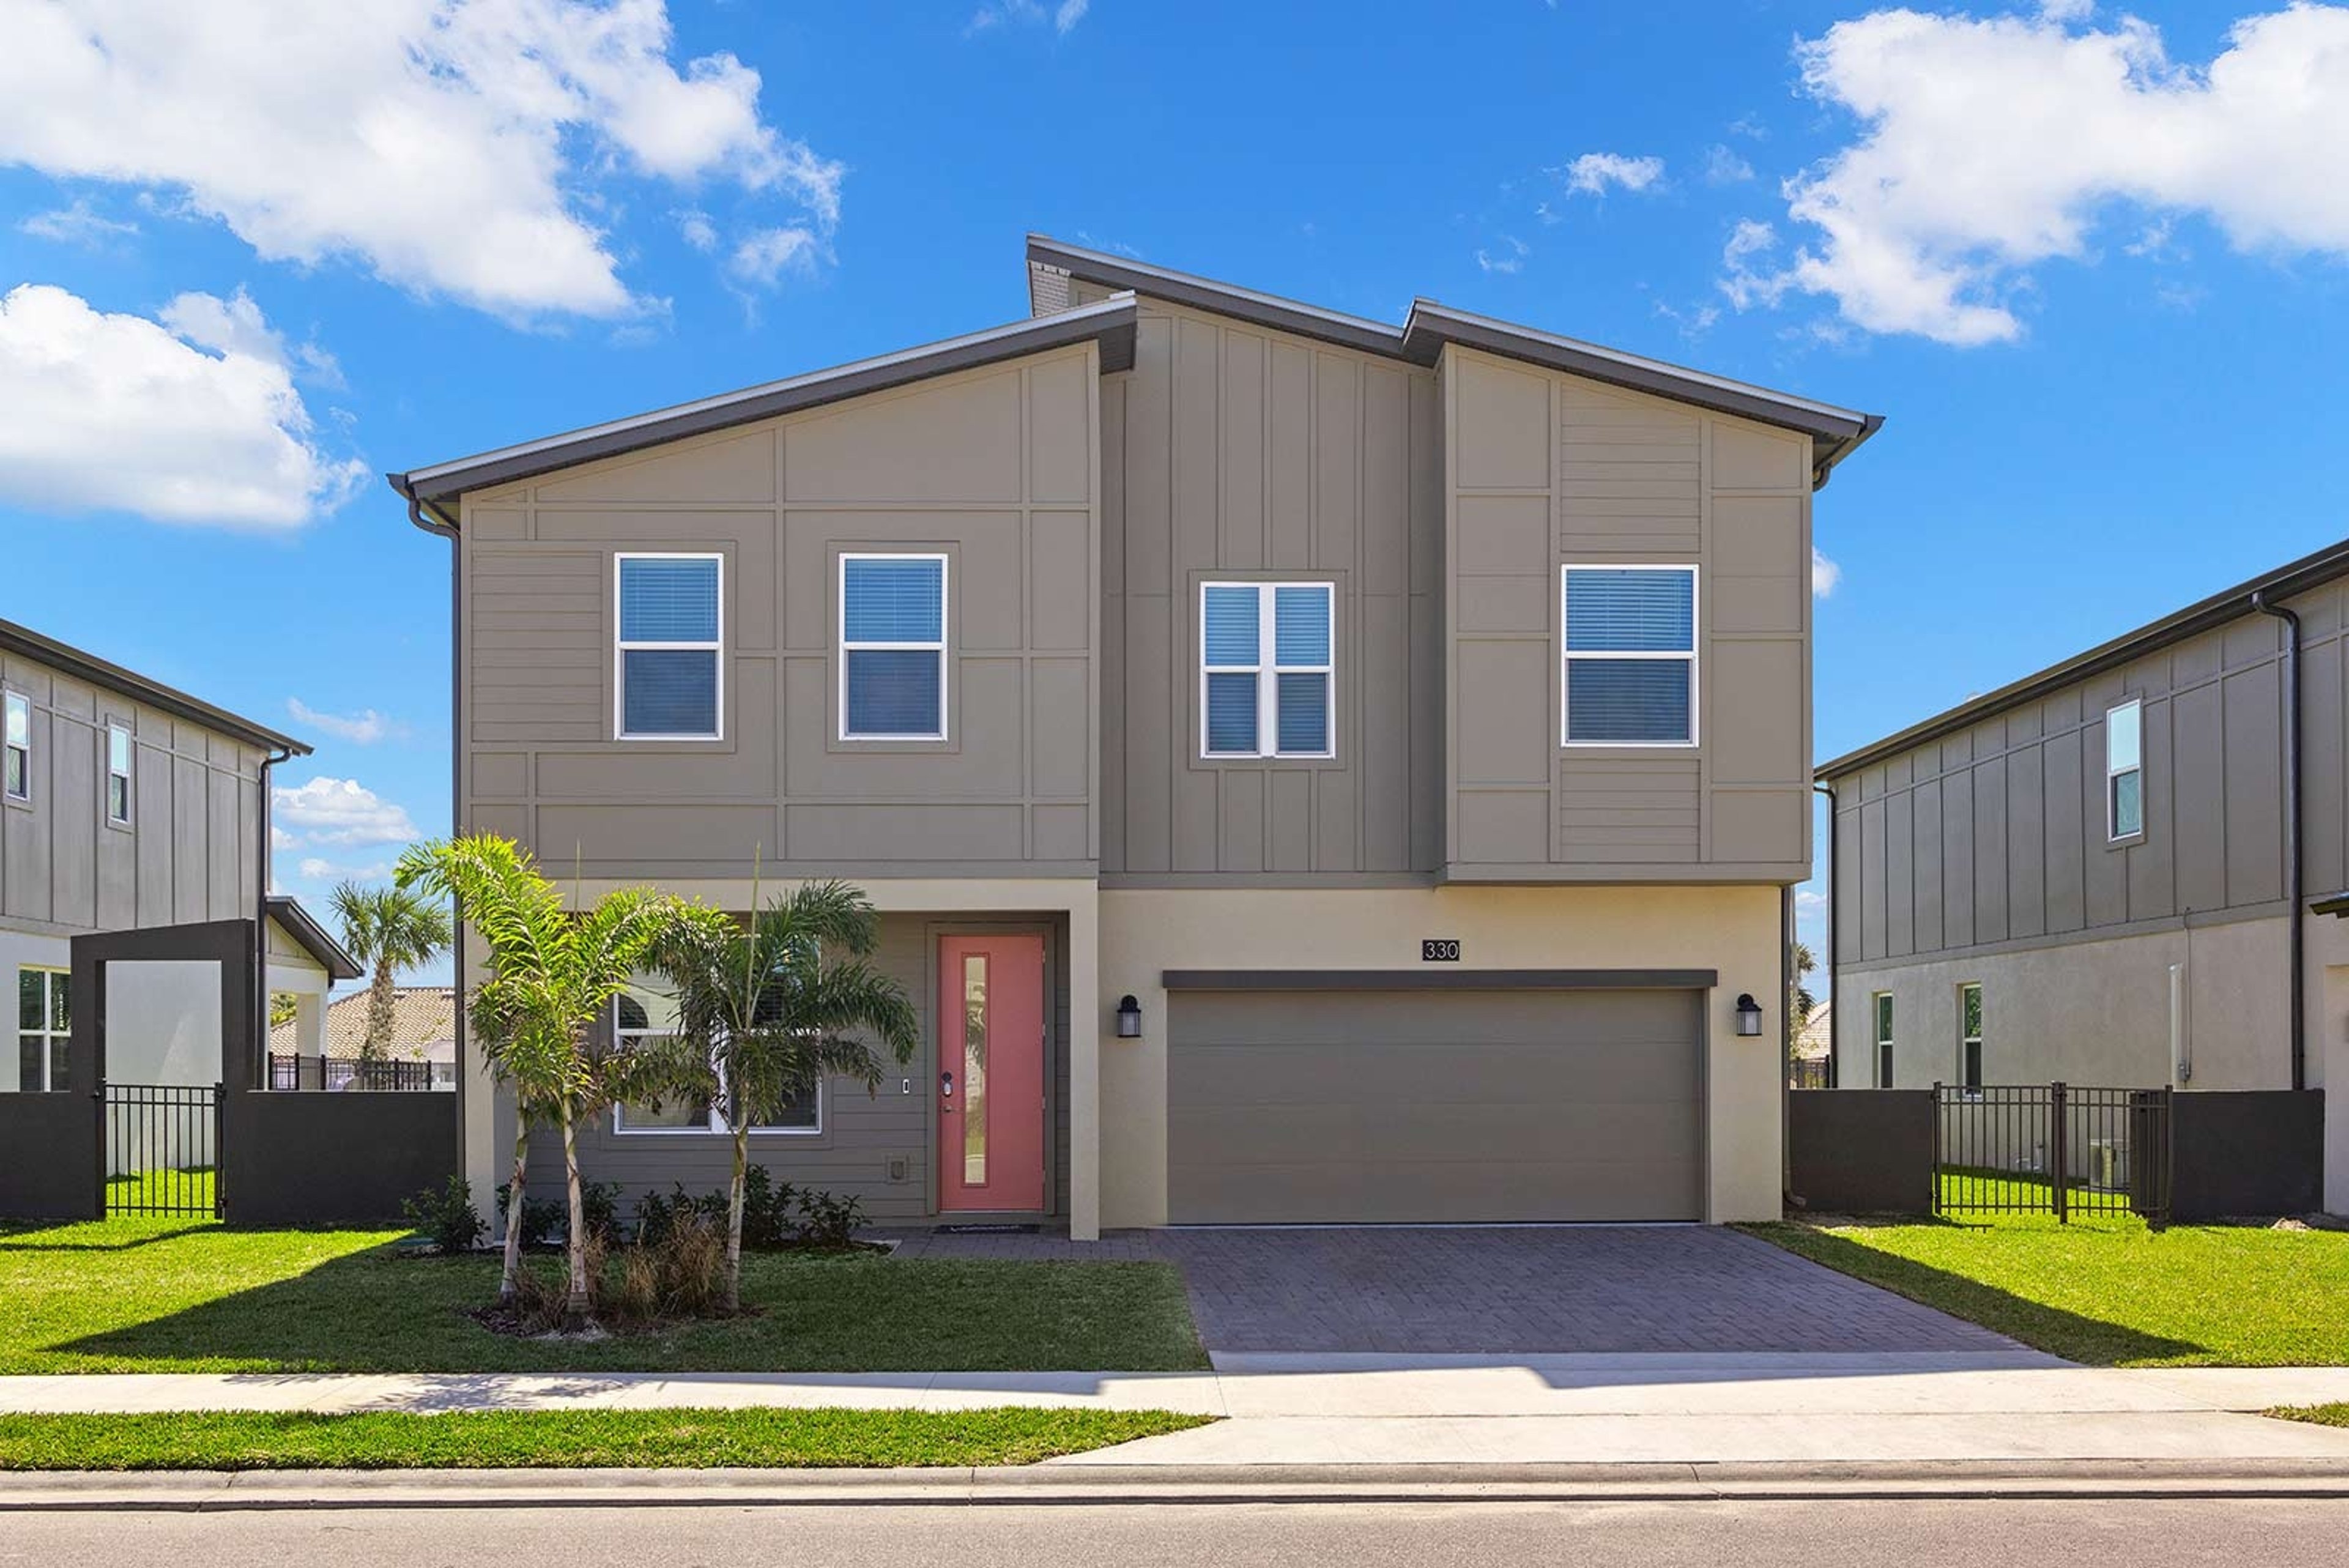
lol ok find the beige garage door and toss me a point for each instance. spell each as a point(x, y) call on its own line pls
point(1392, 1106)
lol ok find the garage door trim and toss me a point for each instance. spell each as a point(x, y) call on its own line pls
point(1441, 979)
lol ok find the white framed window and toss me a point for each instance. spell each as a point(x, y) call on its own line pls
point(2124, 770)
point(1267, 669)
point(646, 1011)
point(16, 727)
point(669, 669)
point(43, 1030)
point(1629, 650)
point(892, 646)
point(1969, 1035)
point(117, 774)
point(1881, 1012)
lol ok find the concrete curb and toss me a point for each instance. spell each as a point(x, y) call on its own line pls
point(347, 1490)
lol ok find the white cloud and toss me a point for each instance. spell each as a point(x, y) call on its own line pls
point(1723, 166)
point(1593, 172)
point(2067, 10)
point(315, 869)
point(1806, 899)
point(763, 257)
point(363, 728)
point(77, 223)
point(1063, 17)
point(1509, 257)
point(697, 229)
point(1989, 146)
point(221, 434)
point(331, 812)
point(1826, 576)
point(453, 147)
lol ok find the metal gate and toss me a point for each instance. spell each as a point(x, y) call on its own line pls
point(2052, 1149)
point(162, 1148)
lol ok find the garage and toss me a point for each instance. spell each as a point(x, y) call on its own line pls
point(1476, 1101)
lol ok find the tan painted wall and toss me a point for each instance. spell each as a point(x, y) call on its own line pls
point(1733, 929)
point(996, 468)
point(2091, 1012)
point(190, 851)
point(1547, 470)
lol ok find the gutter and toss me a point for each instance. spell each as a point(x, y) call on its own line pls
point(2262, 601)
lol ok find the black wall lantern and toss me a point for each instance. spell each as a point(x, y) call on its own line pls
point(1749, 1014)
point(1129, 1018)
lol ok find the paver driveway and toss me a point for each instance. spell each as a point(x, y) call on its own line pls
point(1511, 1289)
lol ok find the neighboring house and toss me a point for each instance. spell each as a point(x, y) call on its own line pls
point(125, 804)
point(2089, 874)
point(1313, 769)
point(423, 1030)
point(1815, 1042)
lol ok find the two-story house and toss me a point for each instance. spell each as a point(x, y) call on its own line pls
point(2103, 872)
point(1312, 769)
point(127, 804)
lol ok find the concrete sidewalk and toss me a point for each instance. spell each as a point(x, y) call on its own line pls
point(1943, 1407)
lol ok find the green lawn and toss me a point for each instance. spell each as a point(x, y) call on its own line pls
point(2322, 1415)
point(2108, 1290)
point(164, 1295)
point(503, 1439)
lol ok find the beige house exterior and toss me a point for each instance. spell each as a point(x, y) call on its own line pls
point(2115, 856)
point(1212, 649)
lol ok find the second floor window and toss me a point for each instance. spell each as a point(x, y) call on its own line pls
point(117, 773)
point(2124, 770)
point(1883, 1000)
point(1630, 656)
point(1267, 669)
point(893, 648)
point(671, 669)
point(20, 748)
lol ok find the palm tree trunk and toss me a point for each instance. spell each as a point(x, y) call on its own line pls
point(380, 1004)
point(513, 1211)
point(734, 1214)
point(577, 1310)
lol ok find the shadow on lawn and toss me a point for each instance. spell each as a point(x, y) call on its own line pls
point(2043, 1327)
point(34, 1240)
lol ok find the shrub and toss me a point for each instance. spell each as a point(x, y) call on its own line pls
point(830, 1223)
point(542, 1219)
point(681, 1274)
point(447, 1217)
point(766, 1212)
point(599, 1210)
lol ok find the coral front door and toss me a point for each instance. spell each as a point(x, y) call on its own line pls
point(991, 1073)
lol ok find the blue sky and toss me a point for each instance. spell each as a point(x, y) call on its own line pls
point(2087, 262)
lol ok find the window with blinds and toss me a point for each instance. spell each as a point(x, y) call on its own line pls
point(893, 648)
point(672, 674)
point(1267, 669)
point(1630, 656)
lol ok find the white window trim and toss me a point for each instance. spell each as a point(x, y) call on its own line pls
point(1880, 1040)
point(622, 647)
point(717, 1127)
point(845, 646)
point(9, 700)
point(1566, 659)
point(130, 765)
point(49, 1037)
point(2113, 833)
point(1268, 671)
point(1975, 1040)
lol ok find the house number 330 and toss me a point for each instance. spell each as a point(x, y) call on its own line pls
point(1439, 949)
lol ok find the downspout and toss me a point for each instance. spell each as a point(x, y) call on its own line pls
point(2291, 869)
point(1786, 1042)
point(1835, 929)
point(258, 1066)
point(445, 529)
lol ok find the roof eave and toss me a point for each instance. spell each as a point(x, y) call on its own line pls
point(1221, 298)
point(299, 924)
point(73, 662)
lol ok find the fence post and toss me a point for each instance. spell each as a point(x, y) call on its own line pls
point(2059, 1152)
point(220, 1150)
point(1937, 1148)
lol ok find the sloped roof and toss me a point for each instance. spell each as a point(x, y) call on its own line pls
point(89, 667)
point(299, 924)
point(423, 1017)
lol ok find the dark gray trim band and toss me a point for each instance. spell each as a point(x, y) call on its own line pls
point(2231, 605)
point(1440, 979)
point(1109, 323)
point(73, 661)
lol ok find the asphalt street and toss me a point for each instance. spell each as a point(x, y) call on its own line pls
point(1813, 1534)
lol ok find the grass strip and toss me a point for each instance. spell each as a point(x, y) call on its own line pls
point(2318, 1415)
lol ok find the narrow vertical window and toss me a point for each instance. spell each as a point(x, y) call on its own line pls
point(43, 1030)
point(19, 725)
point(893, 648)
point(1630, 656)
point(975, 1099)
point(1883, 1039)
point(1969, 1035)
point(671, 672)
point(117, 773)
point(2124, 770)
point(1267, 669)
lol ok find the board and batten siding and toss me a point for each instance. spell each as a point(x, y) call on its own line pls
point(1230, 450)
point(993, 467)
point(1996, 835)
point(1548, 470)
point(191, 850)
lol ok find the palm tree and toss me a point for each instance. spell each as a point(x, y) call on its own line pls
point(554, 971)
point(766, 1013)
point(1800, 1002)
point(394, 929)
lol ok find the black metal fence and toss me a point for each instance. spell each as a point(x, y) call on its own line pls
point(162, 1148)
point(2063, 1149)
point(1810, 1073)
point(330, 1074)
